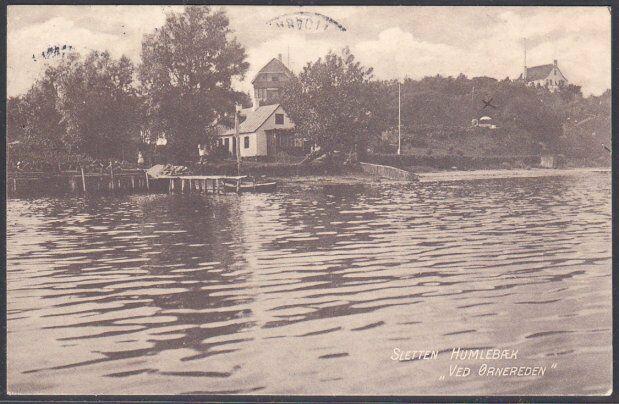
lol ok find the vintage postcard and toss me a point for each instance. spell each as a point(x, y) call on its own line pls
point(291, 200)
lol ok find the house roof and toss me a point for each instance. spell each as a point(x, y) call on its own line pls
point(254, 118)
point(538, 72)
point(274, 66)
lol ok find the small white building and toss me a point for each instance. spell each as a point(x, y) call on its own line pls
point(264, 131)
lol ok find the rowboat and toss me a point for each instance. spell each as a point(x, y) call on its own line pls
point(251, 186)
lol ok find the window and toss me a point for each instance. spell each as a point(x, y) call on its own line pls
point(246, 142)
point(274, 78)
point(272, 94)
point(227, 143)
point(279, 119)
point(261, 93)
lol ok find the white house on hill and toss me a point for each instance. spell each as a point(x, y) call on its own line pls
point(264, 131)
point(544, 75)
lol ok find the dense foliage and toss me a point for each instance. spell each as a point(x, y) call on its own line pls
point(81, 106)
point(335, 103)
point(185, 76)
point(437, 114)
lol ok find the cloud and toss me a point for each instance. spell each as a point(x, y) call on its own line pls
point(578, 38)
point(396, 41)
point(32, 40)
point(117, 29)
point(396, 54)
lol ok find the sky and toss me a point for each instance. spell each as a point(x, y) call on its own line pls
point(397, 41)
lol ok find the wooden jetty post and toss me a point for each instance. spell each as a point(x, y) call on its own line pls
point(83, 179)
point(147, 183)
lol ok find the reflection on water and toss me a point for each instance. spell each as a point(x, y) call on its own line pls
point(310, 289)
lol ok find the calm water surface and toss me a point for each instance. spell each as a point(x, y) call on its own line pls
point(309, 290)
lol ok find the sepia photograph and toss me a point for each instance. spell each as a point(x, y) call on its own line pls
point(247, 200)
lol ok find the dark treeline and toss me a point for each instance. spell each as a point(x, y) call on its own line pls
point(339, 104)
point(87, 107)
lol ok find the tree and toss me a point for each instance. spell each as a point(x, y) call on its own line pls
point(16, 120)
point(186, 73)
point(34, 126)
point(33, 119)
point(570, 92)
point(334, 103)
point(99, 105)
point(80, 108)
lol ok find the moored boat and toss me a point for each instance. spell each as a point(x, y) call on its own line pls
point(251, 186)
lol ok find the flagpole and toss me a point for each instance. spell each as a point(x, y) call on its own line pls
point(236, 135)
point(399, 122)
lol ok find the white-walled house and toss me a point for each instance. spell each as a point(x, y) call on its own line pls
point(544, 75)
point(264, 131)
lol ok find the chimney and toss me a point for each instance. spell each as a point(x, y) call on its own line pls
point(279, 57)
point(555, 62)
point(254, 101)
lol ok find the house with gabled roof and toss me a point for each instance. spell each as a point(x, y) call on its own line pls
point(270, 80)
point(265, 129)
point(545, 76)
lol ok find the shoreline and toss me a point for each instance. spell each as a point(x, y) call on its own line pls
point(441, 176)
point(358, 178)
point(457, 175)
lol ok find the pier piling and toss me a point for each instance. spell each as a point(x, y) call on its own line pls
point(83, 180)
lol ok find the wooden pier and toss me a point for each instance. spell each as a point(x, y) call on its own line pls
point(202, 184)
point(122, 181)
point(32, 183)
